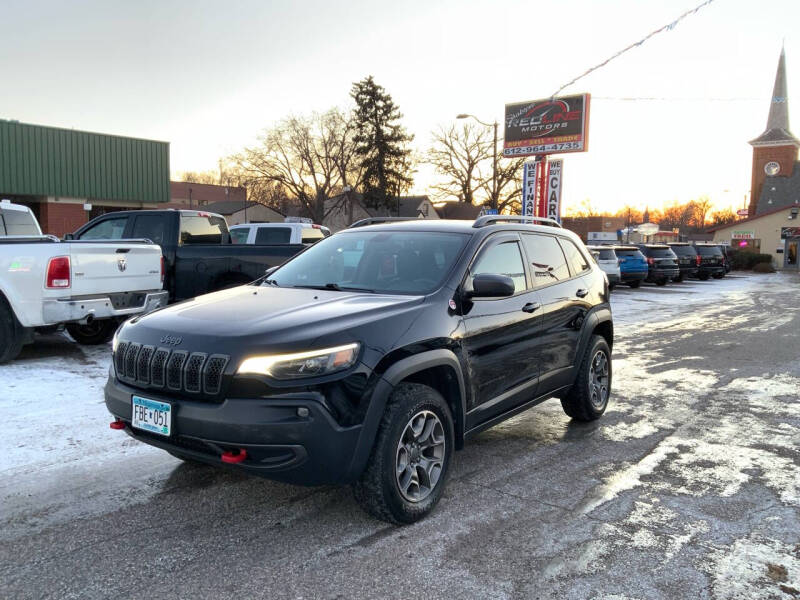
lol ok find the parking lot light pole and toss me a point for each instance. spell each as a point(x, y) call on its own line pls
point(494, 155)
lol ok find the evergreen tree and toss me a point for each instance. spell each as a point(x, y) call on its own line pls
point(381, 144)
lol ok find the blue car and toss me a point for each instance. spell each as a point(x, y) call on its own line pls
point(632, 265)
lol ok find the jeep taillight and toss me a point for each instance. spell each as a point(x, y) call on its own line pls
point(58, 272)
point(697, 258)
point(650, 260)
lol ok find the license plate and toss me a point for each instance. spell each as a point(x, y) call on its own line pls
point(152, 416)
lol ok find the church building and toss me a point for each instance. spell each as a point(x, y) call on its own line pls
point(772, 225)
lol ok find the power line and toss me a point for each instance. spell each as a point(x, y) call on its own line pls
point(667, 27)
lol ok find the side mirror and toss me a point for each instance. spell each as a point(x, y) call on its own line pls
point(491, 285)
point(68, 237)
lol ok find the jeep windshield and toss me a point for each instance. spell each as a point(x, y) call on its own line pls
point(385, 262)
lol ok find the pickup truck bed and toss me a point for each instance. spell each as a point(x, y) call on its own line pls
point(199, 256)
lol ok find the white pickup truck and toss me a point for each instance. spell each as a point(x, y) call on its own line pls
point(87, 285)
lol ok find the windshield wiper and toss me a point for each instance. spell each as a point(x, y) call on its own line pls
point(336, 287)
point(269, 282)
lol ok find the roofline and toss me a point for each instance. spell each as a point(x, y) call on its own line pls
point(73, 130)
point(748, 219)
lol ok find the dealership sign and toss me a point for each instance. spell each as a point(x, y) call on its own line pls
point(549, 126)
point(553, 202)
point(529, 188)
point(743, 234)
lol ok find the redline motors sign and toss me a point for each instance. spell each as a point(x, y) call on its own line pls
point(553, 202)
point(549, 126)
point(743, 234)
point(528, 188)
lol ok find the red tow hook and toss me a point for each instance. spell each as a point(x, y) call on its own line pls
point(117, 424)
point(234, 459)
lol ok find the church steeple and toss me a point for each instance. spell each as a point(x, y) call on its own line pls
point(777, 131)
point(775, 150)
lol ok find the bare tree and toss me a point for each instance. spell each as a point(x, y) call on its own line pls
point(700, 209)
point(308, 158)
point(457, 153)
point(463, 157)
point(207, 177)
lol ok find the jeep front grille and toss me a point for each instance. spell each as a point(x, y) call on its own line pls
point(195, 374)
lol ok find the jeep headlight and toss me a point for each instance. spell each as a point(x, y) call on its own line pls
point(302, 364)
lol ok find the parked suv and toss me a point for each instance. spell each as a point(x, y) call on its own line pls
point(632, 265)
point(662, 263)
point(688, 260)
point(608, 261)
point(370, 357)
point(712, 261)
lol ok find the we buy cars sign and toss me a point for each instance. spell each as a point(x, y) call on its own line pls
point(549, 126)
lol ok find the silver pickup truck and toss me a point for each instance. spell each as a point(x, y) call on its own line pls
point(89, 286)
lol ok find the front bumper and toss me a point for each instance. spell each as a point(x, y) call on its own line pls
point(280, 444)
point(58, 310)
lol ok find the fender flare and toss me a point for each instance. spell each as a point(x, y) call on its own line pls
point(383, 389)
point(598, 315)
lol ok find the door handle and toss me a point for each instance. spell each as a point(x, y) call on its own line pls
point(531, 307)
point(581, 293)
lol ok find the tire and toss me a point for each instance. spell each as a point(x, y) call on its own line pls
point(662, 281)
point(635, 284)
point(97, 332)
point(718, 275)
point(611, 287)
point(11, 338)
point(585, 400)
point(678, 279)
point(703, 276)
point(380, 490)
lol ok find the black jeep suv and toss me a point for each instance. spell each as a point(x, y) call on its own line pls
point(662, 263)
point(371, 356)
point(712, 261)
point(688, 259)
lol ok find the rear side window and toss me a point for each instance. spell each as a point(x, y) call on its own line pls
point(709, 250)
point(239, 236)
point(202, 230)
point(18, 222)
point(150, 227)
point(502, 259)
point(548, 263)
point(273, 235)
point(110, 229)
point(575, 258)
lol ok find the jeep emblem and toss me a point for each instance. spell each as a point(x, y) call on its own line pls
point(171, 340)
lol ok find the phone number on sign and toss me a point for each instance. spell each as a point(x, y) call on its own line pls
point(525, 150)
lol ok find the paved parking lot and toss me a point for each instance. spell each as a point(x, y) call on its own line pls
point(689, 487)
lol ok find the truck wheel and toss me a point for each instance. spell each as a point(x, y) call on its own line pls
point(634, 284)
point(703, 276)
point(718, 275)
point(97, 332)
point(588, 398)
point(678, 279)
point(409, 463)
point(662, 281)
point(11, 338)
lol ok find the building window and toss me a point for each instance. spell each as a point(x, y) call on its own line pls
point(748, 245)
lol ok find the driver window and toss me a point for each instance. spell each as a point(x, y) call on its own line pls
point(110, 229)
point(502, 259)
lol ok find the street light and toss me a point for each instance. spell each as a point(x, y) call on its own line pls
point(494, 156)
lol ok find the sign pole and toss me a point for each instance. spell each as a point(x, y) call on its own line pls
point(541, 181)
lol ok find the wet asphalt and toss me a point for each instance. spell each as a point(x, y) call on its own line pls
point(688, 487)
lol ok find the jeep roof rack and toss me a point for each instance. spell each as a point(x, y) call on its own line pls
point(376, 220)
point(492, 219)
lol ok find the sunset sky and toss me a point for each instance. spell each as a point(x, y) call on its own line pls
point(208, 76)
